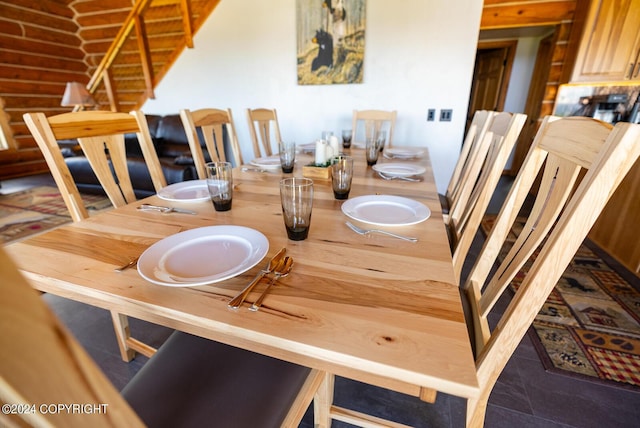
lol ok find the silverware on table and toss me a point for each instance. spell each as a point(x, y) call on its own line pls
point(131, 262)
point(282, 270)
point(273, 263)
point(362, 231)
point(398, 177)
point(247, 169)
point(166, 210)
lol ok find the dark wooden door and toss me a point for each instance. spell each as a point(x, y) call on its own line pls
point(491, 76)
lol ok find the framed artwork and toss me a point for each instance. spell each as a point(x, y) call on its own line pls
point(330, 41)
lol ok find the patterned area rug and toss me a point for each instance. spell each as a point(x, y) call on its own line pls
point(38, 209)
point(590, 324)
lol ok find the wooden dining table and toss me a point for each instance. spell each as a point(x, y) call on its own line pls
point(374, 308)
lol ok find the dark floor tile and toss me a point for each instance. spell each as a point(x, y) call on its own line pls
point(509, 391)
point(391, 405)
point(499, 417)
point(578, 402)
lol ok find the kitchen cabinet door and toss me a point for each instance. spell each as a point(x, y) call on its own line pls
point(610, 46)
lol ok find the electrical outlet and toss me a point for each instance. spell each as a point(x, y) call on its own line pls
point(445, 115)
point(431, 115)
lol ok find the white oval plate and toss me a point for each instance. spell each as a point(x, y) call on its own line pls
point(202, 256)
point(307, 148)
point(397, 153)
point(399, 169)
point(386, 210)
point(186, 191)
point(271, 162)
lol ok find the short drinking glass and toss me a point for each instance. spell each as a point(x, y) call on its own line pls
point(372, 150)
point(341, 175)
point(296, 195)
point(220, 184)
point(346, 138)
point(287, 155)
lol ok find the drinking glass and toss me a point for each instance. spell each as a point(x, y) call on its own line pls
point(220, 184)
point(296, 195)
point(341, 175)
point(346, 138)
point(372, 150)
point(287, 155)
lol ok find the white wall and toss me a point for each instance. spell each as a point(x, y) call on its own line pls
point(418, 55)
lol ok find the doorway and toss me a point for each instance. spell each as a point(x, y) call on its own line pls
point(491, 74)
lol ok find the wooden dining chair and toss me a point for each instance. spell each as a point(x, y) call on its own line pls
point(471, 150)
point(101, 135)
point(481, 178)
point(264, 130)
point(564, 210)
point(190, 382)
point(365, 122)
point(213, 125)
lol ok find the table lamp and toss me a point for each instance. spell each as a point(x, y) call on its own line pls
point(76, 94)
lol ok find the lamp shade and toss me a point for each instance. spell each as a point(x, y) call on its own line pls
point(76, 94)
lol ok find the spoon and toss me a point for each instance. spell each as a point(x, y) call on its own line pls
point(280, 271)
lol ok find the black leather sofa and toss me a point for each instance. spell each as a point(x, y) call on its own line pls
point(170, 142)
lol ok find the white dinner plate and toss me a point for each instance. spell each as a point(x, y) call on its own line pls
point(202, 256)
point(307, 148)
point(270, 162)
point(186, 191)
point(399, 169)
point(386, 210)
point(406, 153)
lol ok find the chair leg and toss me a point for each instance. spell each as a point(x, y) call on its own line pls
point(127, 344)
point(304, 398)
point(323, 401)
point(477, 408)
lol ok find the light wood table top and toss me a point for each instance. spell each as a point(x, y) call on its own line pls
point(375, 309)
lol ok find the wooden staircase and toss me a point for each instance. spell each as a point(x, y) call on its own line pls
point(54, 42)
point(153, 35)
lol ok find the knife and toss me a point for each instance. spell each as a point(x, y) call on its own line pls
point(166, 210)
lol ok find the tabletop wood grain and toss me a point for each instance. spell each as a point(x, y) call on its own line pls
point(376, 309)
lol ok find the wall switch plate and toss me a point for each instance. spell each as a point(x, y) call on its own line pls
point(445, 115)
point(431, 115)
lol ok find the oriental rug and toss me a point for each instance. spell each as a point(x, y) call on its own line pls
point(589, 327)
point(32, 211)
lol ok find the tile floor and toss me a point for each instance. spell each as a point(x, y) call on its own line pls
point(524, 396)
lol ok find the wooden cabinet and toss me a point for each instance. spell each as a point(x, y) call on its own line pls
point(616, 230)
point(610, 46)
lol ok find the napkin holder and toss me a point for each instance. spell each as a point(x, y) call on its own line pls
point(318, 172)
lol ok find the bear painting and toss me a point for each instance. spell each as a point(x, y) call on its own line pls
point(330, 41)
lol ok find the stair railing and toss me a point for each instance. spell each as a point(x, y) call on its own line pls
point(135, 21)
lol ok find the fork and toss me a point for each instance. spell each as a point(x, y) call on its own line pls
point(398, 177)
point(362, 231)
